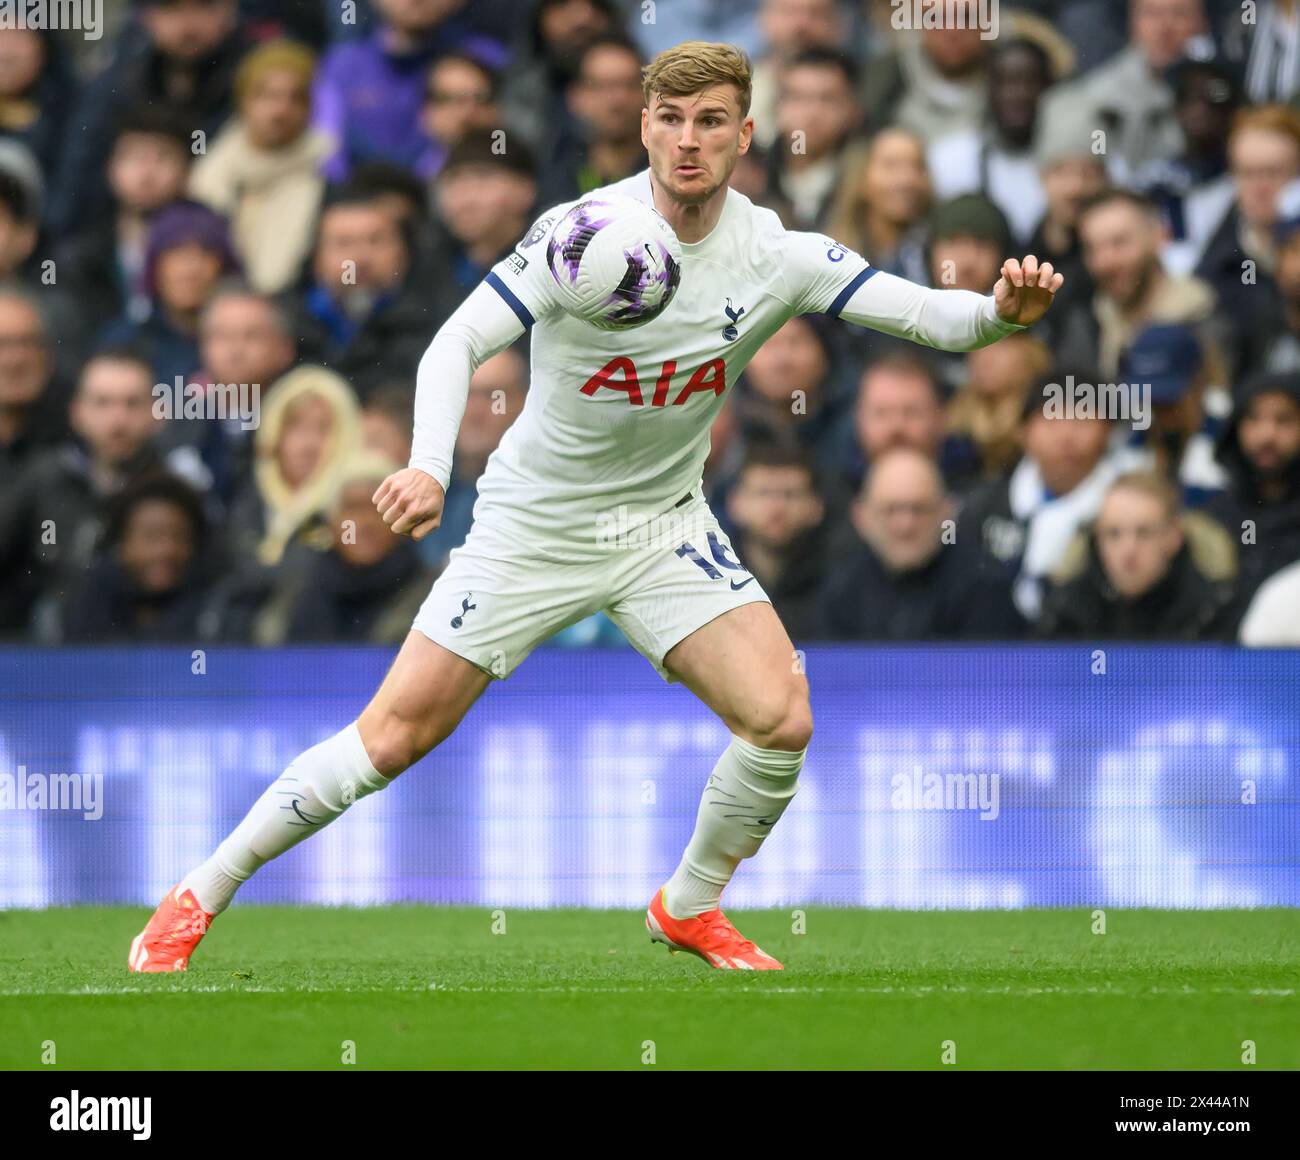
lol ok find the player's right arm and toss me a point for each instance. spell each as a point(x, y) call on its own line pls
point(516, 293)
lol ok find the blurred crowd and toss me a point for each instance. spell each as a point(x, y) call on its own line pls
point(293, 195)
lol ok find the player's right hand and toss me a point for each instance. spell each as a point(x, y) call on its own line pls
point(410, 502)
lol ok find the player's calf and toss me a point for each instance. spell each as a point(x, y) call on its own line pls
point(422, 699)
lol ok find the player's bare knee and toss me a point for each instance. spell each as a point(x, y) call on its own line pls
point(783, 723)
point(392, 744)
point(795, 730)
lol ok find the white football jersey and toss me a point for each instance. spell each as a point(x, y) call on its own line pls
point(621, 419)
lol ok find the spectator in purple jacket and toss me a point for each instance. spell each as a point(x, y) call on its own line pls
point(369, 93)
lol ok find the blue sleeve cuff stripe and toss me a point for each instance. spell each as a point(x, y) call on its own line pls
point(841, 299)
point(518, 307)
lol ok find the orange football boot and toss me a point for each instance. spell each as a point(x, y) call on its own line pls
point(170, 936)
point(710, 936)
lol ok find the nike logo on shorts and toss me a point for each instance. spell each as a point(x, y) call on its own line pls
point(737, 587)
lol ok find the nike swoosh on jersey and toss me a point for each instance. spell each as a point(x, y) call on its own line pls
point(737, 587)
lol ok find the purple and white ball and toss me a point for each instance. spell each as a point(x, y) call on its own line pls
point(616, 261)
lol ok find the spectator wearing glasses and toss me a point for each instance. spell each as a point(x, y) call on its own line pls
point(905, 577)
point(461, 96)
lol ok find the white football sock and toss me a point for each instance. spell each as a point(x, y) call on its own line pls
point(746, 794)
point(318, 786)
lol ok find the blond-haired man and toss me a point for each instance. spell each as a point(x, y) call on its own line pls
point(595, 439)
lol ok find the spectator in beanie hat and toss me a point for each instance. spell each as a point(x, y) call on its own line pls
point(969, 238)
point(263, 169)
point(187, 253)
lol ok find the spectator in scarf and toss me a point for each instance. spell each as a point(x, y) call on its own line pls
point(262, 171)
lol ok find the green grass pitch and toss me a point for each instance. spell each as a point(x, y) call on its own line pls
point(434, 987)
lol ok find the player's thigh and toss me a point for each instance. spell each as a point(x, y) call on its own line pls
point(743, 665)
point(421, 700)
point(498, 600)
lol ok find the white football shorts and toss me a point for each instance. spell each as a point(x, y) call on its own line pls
point(496, 601)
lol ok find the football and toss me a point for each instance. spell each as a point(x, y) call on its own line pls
point(616, 261)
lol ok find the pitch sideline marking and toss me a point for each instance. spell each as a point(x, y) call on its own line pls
point(438, 988)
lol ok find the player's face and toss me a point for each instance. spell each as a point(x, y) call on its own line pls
point(694, 141)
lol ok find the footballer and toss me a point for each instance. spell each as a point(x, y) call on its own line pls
point(616, 421)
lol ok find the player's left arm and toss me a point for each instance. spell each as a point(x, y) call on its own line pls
point(829, 278)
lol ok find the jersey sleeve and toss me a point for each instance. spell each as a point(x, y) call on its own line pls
point(821, 274)
point(522, 278)
point(826, 277)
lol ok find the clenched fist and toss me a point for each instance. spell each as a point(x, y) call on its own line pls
point(411, 502)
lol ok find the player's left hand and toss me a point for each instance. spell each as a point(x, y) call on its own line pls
point(1025, 290)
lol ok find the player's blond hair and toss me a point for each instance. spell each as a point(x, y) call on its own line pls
point(695, 65)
